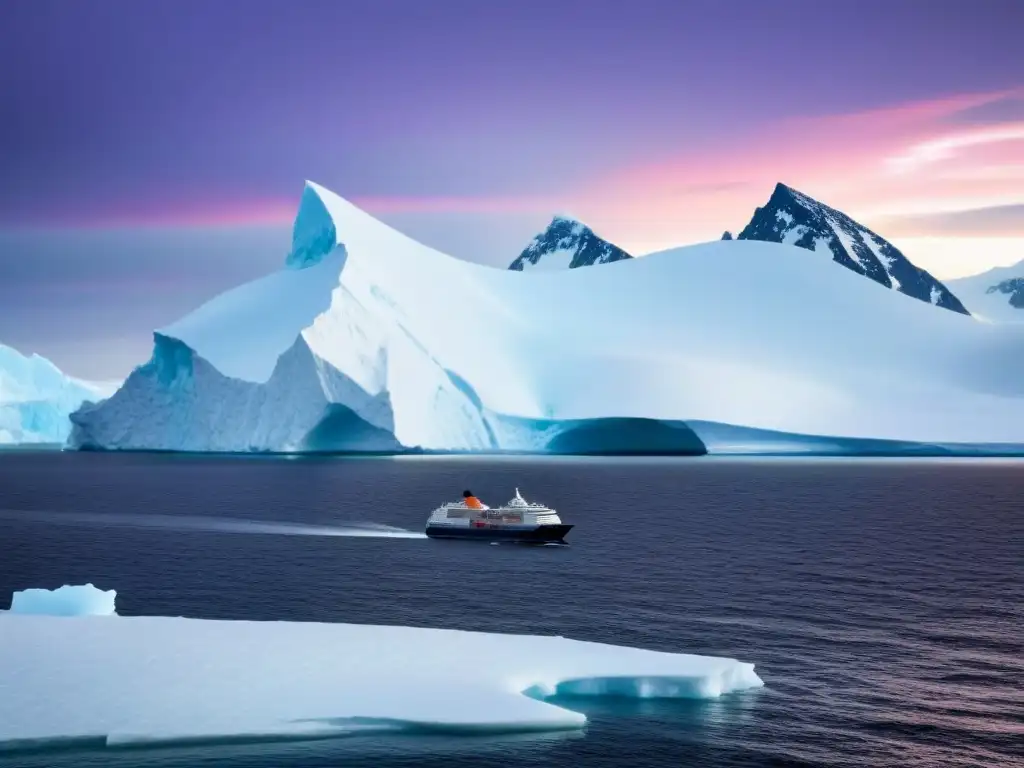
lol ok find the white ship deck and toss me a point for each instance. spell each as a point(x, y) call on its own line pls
point(517, 513)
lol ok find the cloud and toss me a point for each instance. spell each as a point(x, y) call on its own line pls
point(912, 158)
point(220, 214)
point(846, 160)
point(1000, 220)
point(1008, 108)
point(468, 205)
point(947, 147)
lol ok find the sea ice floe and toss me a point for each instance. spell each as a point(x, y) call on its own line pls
point(102, 680)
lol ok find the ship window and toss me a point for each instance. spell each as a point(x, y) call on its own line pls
point(460, 513)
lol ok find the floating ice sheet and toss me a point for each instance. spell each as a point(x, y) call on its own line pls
point(136, 680)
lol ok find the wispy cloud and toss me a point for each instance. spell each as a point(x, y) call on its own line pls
point(949, 147)
point(1008, 108)
point(219, 213)
point(523, 204)
point(994, 221)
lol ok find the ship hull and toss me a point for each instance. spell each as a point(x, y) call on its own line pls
point(539, 535)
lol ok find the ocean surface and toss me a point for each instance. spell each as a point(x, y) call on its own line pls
point(881, 600)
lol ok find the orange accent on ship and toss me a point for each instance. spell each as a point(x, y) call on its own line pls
point(473, 502)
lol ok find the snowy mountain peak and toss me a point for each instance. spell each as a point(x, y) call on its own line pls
point(564, 218)
point(793, 218)
point(567, 244)
point(782, 190)
point(784, 195)
point(313, 233)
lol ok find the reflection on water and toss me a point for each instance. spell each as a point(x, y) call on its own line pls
point(393, 747)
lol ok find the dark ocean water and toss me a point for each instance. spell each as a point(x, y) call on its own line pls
point(882, 601)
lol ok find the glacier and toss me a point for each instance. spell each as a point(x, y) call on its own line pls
point(109, 681)
point(37, 398)
point(368, 341)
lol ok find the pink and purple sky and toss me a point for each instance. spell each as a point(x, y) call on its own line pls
point(153, 152)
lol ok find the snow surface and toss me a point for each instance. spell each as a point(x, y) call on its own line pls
point(550, 261)
point(791, 235)
point(36, 398)
point(846, 240)
point(102, 681)
point(404, 346)
point(982, 296)
point(821, 245)
point(69, 600)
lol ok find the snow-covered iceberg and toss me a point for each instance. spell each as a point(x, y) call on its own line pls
point(370, 341)
point(101, 681)
point(36, 398)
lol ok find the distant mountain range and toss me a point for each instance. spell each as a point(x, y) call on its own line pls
point(789, 217)
point(997, 294)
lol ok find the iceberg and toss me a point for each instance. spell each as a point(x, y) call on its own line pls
point(368, 341)
point(37, 398)
point(102, 681)
point(69, 600)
